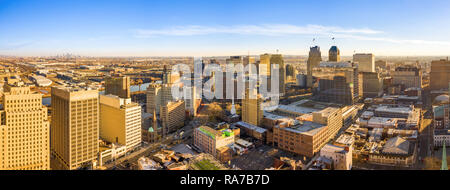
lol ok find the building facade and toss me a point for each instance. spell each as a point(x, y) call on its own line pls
point(120, 121)
point(314, 59)
point(210, 140)
point(337, 83)
point(334, 55)
point(341, 156)
point(119, 86)
point(366, 62)
point(371, 84)
point(172, 116)
point(408, 77)
point(440, 74)
point(74, 127)
point(252, 111)
point(24, 131)
point(303, 138)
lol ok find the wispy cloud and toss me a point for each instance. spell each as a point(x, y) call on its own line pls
point(267, 30)
point(397, 41)
point(16, 45)
point(365, 34)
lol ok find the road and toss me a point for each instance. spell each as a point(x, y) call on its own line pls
point(425, 140)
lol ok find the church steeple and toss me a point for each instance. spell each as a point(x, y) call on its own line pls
point(155, 122)
point(444, 165)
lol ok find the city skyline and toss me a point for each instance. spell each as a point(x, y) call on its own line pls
point(180, 28)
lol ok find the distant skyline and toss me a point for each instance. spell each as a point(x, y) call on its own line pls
point(223, 28)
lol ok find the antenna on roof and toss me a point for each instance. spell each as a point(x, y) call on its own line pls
point(334, 40)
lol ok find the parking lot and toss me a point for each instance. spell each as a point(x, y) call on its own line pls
point(258, 158)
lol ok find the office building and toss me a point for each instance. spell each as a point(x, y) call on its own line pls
point(331, 117)
point(440, 74)
point(277, 59)
point(119, 86)
point(172, 116)
point(381, 64)
point(337, 83)
point(74, 127)
point(252, 111)
point(120, 121)
point(24, 130)
point(234, 60)
point(153, 97)
point(365, 62)
point(408, 77)
point(314, 59)
point(334, 55)
point(158, 95)
point(265, 66)
point(371, 84)
point(304, 138)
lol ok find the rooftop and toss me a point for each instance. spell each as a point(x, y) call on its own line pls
point(252, 127)
point(305, 127)
point(392, 109)
point(397, 145)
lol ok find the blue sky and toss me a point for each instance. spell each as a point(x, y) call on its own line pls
point(182, 27)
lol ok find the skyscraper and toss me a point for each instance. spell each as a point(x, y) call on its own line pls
point(158, 95)
point(366, 62)
point(119, 86)
point(334, 55)
point(120, 121)
point(265, 65)
point(24, 131)
point(172, 115)
point(153, 98)
point(252, 111)
point(277, 59)
point(74, 127)
point(314, 59)
point(338, 83)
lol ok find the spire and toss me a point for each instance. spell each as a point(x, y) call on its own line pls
point(444, 165)
point(155, 122)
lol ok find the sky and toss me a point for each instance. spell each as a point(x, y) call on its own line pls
point(223, 27)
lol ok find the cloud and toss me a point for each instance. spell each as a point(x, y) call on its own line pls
point(364, 34)
point(16, 45)
point(396, 41)
point(266, 30)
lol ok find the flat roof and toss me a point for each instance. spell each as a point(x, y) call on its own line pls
point(296, 109)
point(305, 127)
point(252, 127)
point(390, 109)
point(274, 116)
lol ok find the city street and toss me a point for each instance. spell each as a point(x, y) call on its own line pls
point(425, 140)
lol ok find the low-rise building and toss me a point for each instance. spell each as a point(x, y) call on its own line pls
point(341, 156)
point(210, 140)
point(396, 151)
point(441, 136)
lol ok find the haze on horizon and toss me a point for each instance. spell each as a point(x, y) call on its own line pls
point(222, 28)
